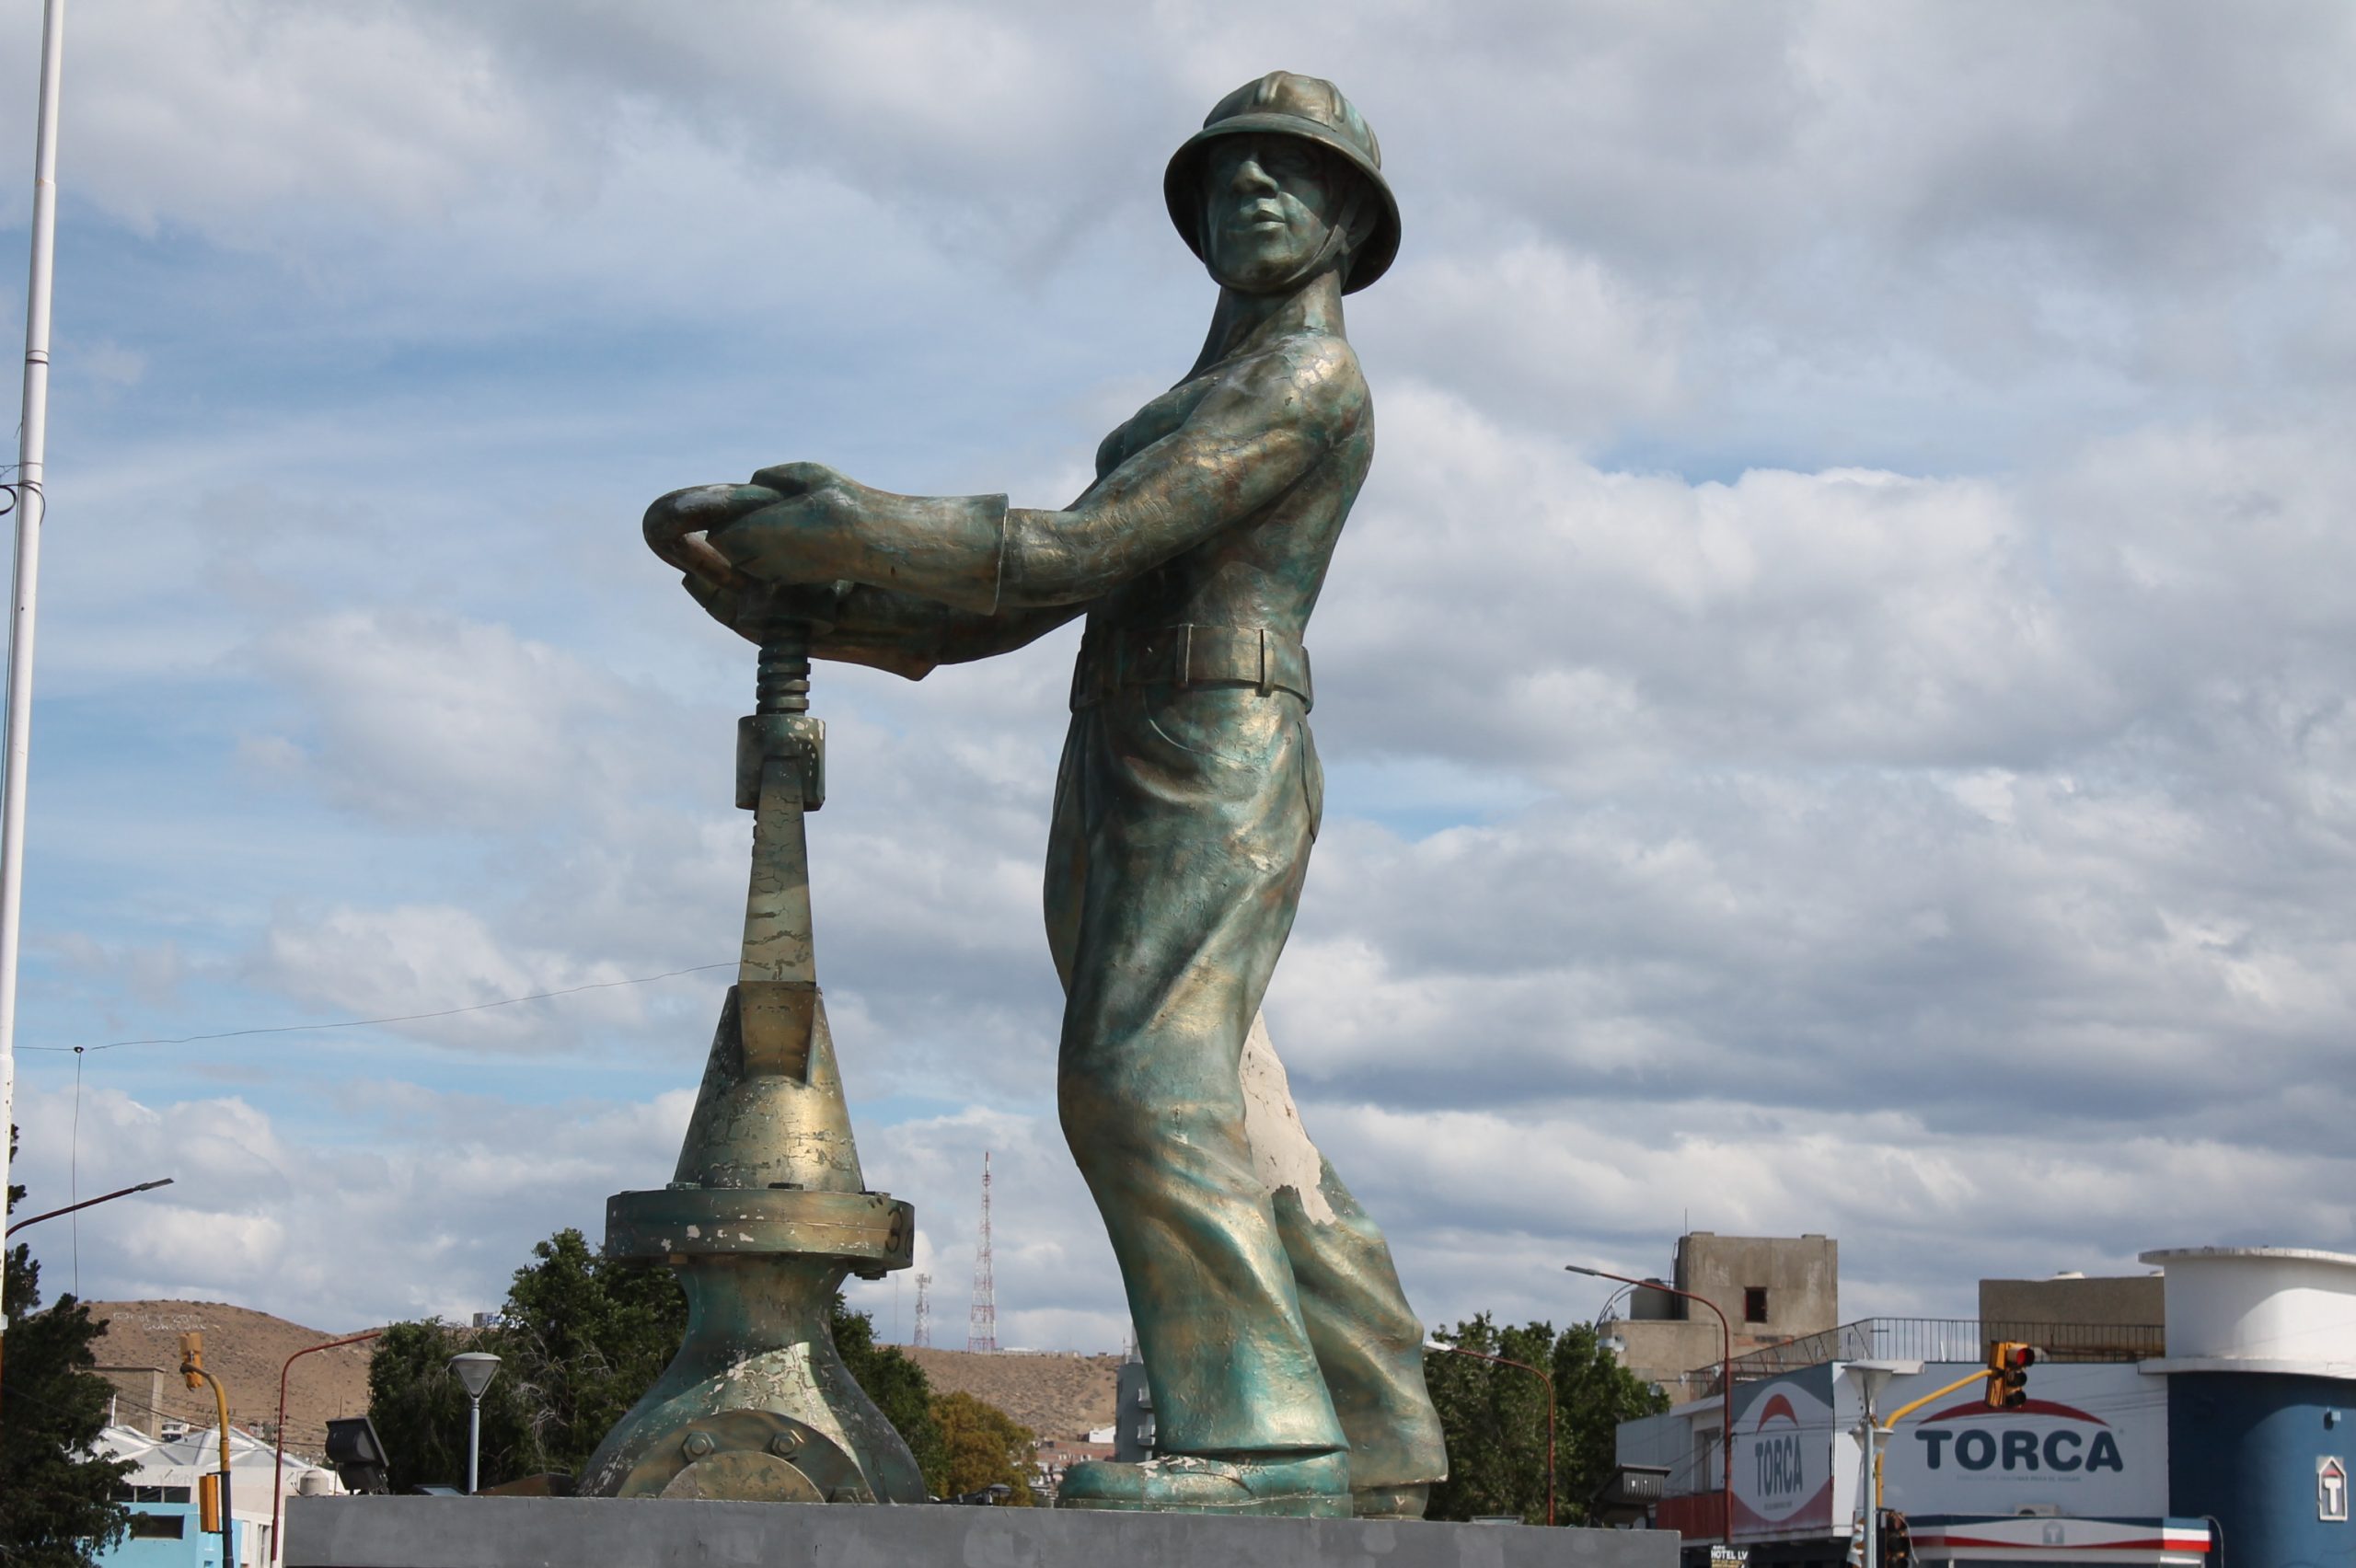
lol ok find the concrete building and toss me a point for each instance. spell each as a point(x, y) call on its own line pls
point(139, 1398)
point(1771, 1288)
point(2130, 1301)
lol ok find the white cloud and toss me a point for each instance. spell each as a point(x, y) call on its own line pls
point(416, 960)
point(1543, 338)
point(429, 1211)
point(429, 718)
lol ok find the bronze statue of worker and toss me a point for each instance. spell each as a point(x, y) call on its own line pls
point(1286, 1365)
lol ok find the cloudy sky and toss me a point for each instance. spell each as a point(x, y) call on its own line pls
point(1835, 694)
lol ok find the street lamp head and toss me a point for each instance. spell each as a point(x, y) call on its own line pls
point(475, 1369)
point(1872, 1376)
point(1575, 1268)
point(1435, 1344)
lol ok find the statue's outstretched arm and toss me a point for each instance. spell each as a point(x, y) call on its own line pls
point(1252, 437)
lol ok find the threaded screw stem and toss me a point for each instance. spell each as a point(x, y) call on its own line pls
point(782, 678)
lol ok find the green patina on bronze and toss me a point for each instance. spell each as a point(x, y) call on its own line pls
point(1285, 1363)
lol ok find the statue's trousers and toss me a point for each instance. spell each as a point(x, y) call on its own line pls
point(1269, 1320)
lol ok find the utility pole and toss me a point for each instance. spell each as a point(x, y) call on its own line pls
point(32, 447)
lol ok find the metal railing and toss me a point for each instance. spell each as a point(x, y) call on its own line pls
point(1934, 1339)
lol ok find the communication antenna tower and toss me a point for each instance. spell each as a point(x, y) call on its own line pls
point(924, 1311)
point(981, 1327)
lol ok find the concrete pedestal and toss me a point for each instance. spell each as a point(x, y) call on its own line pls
point(596, 1532)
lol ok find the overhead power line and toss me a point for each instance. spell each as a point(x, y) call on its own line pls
point(403, 1018)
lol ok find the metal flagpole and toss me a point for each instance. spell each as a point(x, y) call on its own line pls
point(32, 441)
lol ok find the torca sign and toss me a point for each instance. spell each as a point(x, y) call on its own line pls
point(1782, 1455)
point(2043, 1434)
point(2091, 1441)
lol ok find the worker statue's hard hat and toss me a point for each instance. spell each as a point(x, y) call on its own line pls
point(1284, 104)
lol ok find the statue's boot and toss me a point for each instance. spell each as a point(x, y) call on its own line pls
point(1391, 1502)
point(1303, 1485)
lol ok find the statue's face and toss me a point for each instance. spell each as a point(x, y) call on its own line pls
point(1270, 200)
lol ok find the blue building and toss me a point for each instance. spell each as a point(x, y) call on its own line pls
point(2262, 1374)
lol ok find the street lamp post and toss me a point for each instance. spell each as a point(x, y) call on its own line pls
point(87, 1202)
point(1545, 1378)
point(277, 1432)
point(1726, 1384)
point(475, 1369)
point(1871, 1377)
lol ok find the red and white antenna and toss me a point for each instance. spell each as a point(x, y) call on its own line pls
point(981, 1327)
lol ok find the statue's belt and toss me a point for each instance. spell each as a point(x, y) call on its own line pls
point(1191, 656)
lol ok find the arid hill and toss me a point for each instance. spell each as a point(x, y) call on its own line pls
point(245, 1349)
point(1055, 1395)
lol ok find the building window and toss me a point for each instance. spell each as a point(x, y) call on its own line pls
point(158, 1527)
point(1754, 1303)
point(151, 1495)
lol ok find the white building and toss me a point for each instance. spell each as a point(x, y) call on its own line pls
point(164, 1525)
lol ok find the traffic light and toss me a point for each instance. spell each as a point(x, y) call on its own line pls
point(1896, 1543)
point(2008, 1364)
point(192, 1359)
point(208, 1503)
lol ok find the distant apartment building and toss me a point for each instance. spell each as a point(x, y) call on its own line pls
point(1772, 1289)
point(1051, 1456)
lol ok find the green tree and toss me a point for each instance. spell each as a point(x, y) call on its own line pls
point(982, 1446)
point(420, 1409)
point(1495, 1419)
point(1594, 1395)
point(588, 1336)
point(57, 1497)
point(580, 1340)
